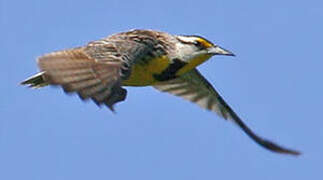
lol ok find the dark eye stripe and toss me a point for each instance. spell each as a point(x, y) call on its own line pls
point(202, 38)
point(199, 45)
point(200, 42)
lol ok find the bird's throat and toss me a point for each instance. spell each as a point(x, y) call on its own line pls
point(193, 63)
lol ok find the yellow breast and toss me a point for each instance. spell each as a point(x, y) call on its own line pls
point(193, 63)
point(142, 73)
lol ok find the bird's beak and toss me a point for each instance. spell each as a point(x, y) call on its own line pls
point(217, 50)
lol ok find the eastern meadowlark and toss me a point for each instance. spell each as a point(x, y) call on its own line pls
point(99, 70)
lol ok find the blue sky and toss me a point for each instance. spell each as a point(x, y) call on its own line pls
point(274, 84)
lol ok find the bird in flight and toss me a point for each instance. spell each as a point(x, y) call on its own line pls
point(101, 69)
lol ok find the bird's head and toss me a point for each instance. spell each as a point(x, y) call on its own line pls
point(195, 50)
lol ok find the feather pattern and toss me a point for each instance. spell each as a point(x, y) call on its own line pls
point(193, 87)
point(75, 71)
point(96, 71)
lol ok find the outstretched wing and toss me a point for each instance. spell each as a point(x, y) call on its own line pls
point(94, 71)
point(194, 87)
point(77, 72)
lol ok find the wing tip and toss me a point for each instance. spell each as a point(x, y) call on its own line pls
point(278, 149)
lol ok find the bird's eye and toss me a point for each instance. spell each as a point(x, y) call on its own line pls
point(198, 44)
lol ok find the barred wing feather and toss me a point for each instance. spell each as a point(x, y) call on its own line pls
point(193, 87)
point(77, 72)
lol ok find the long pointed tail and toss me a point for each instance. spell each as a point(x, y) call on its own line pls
point(35, 81)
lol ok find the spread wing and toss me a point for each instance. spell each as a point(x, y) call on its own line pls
point(94, 71)
point(194, 87)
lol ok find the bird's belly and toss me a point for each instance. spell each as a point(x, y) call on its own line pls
point(142, 74)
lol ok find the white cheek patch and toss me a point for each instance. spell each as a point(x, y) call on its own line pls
point(185, 52)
